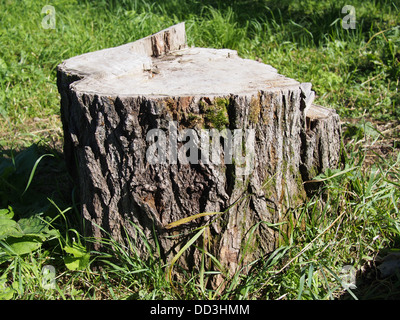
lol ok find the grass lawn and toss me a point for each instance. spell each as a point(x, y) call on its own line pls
point(353, 221)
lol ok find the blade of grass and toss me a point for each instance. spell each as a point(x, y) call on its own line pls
point(317, 179)
point(181, 251)
point(34, 170)
point(301, 286)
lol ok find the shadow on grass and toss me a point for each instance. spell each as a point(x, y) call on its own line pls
point(32, 178)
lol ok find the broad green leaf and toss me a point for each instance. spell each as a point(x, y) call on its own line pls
point(24, 236)
point(80, 258)
point(6, 293)
point(34, 226)
point(8, 227)
point(6, 213)
point(23, 245)
point(80, 263)
point(76, 250)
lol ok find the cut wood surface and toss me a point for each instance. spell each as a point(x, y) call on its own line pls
point(110, 101)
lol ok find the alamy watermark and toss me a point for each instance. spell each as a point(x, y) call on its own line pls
point(49, 21)
point(48, 277)
point(348, 277)
point(202, 146)
point(349, 20)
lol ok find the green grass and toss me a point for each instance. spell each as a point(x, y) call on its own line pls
point(352, 220)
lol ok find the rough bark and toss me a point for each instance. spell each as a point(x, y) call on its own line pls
point(112, 98)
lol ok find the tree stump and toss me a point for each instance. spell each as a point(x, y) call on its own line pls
point(156, 132)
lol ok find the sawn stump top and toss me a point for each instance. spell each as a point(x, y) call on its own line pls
point(134, 70)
